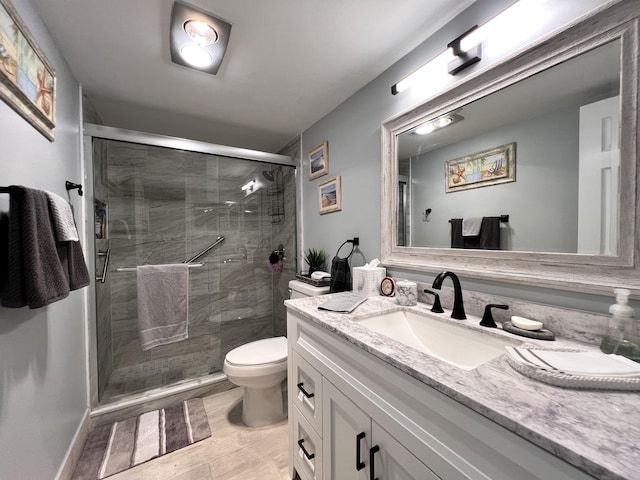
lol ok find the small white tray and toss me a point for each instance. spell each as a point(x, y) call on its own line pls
point(573, 381)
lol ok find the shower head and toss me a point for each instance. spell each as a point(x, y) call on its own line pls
point(268, 174)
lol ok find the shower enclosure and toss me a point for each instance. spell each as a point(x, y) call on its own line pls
point(234, 211)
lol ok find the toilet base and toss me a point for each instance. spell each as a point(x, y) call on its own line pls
point(263, 406)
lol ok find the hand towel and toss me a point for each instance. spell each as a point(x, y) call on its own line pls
point(593, 364)
point(488, 238)
point(35, 273)
point(63, 222)
point(163, 304)
point(471, 226)
point(340, 275)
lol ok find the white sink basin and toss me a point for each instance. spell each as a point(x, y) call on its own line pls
point(462, 347)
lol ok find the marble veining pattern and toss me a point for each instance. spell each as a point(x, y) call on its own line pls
point(596, 431)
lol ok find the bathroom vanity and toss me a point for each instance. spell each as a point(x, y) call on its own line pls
point(364, 406)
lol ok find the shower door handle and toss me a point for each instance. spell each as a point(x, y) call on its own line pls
point(105, 268)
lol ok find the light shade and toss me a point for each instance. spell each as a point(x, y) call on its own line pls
point(198, 39)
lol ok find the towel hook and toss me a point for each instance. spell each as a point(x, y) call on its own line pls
point(73, 186)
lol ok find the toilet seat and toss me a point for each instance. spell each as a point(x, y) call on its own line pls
point(260, 352)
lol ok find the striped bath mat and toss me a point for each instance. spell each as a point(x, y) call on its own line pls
point(110, 449)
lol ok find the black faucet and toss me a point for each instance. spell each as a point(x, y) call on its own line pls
point(437, 307)
point(487, 318)
point(458, 306)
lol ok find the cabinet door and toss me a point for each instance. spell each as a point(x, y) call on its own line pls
point(346, 435)
point(392, 461)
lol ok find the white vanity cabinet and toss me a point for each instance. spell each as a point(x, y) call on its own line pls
point(411, 430)
point(357, 448)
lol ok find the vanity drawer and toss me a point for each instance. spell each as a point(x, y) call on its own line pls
point(307, 457)
point(307, 396)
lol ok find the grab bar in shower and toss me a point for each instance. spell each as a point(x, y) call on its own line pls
point(189, 262)
point(105, 268)
point(134, 269)
point(218, 241)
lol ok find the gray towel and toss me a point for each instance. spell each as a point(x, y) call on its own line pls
point(163, 304)
point(344, 302)
point(39, 270)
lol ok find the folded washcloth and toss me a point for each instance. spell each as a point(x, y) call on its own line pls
point(471, 226)
point(163, 304)
point(586, 364)
point(62, 216)
point(344, 302)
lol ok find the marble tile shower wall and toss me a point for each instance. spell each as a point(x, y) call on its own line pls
point(164, 207)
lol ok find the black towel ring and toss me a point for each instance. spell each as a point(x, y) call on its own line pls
point(353, 246)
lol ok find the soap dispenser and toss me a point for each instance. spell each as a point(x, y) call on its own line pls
point(621, 337)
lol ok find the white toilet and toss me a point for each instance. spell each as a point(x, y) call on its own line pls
point(261, 367)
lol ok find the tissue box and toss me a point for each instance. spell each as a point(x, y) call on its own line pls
point(366, 280)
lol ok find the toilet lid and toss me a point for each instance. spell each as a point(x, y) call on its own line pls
point(260, 352)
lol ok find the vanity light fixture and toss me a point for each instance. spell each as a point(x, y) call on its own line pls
point(438, 123)
point(198, 39)
point(465, 50)
point(465, 54)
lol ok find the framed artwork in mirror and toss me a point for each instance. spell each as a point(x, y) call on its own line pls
point(318, 161)
point(481, 169)
point(330, 196)
point(27, 80)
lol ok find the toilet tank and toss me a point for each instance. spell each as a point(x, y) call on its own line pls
point(298, 289)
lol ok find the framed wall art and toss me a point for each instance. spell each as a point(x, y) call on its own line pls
point(330, 196)
point(318, 161)
point(27, 80)
point(489, 167)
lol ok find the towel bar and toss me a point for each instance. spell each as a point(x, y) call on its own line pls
point(133, 269)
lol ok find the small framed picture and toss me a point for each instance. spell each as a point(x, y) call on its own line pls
point(330, 196)
point(318, 161)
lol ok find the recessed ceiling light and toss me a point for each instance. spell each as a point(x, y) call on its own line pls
point(200, 32)
point(196, 55)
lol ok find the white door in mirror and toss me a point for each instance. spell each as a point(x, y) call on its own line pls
point(525, 323)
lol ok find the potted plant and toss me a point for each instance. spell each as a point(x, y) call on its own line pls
point(316, 259)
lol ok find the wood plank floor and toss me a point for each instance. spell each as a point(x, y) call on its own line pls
point(233, 452)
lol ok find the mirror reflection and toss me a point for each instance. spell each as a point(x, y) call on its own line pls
point(533, 167)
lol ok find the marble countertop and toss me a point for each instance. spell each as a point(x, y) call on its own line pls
point(596, 431)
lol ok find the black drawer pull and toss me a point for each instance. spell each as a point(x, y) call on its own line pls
point(359, 462)
point(304, 392)
point(304, 450)
point(372, 465)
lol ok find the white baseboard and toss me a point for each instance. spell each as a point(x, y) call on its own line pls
point(75, 449)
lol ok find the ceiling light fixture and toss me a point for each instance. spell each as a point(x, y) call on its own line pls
point(198, 39)
point(438, 123)
point(465, 50)
point(249, 186)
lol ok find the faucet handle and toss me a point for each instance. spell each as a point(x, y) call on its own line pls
point(487, 318)
point(437, 307)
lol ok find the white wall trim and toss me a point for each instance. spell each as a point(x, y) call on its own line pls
point(72, 455)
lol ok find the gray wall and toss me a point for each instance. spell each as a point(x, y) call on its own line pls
point(353, 134)
point(43, 392)
point(545, 192)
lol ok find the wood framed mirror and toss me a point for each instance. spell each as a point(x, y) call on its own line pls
point(545, 141)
